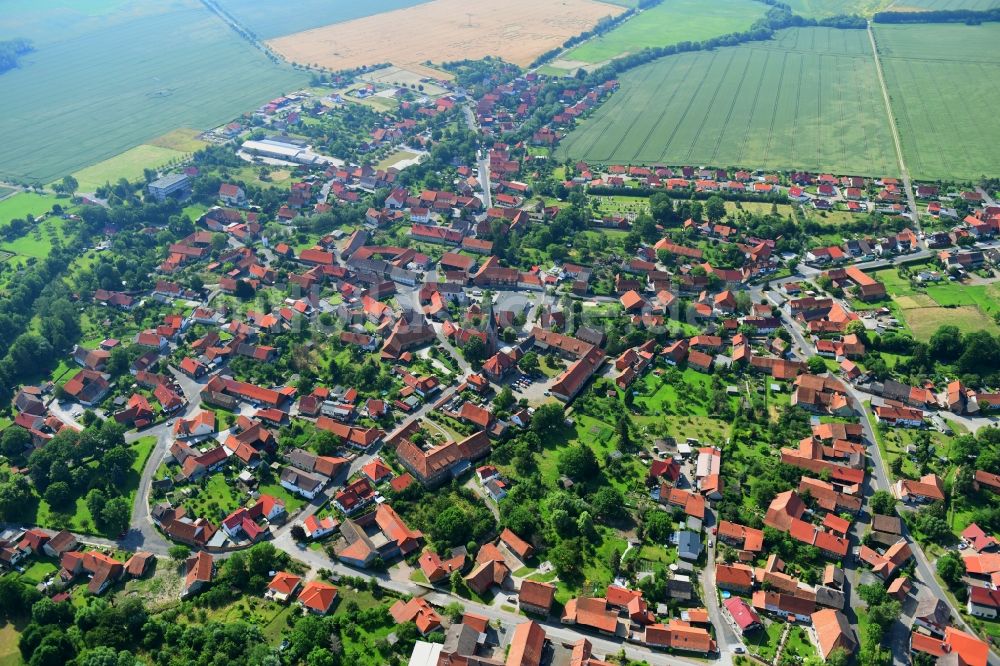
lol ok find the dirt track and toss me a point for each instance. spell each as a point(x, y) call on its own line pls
point(516, 30)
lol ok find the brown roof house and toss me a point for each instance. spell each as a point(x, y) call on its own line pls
point(536, 597)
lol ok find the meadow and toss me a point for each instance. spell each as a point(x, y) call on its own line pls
point(274, 18)
point(96, 92)
point(808, 99)
point(826, 8)
point(938, 5)
point(925, 309)
point(27, 203)
point(129, 164)
point(945, 111)
point(670, 22)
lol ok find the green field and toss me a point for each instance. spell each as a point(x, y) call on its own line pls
point(808, 99)
point(27, 203)
point(275, 18)
point(825, 8)
point(37, 242)
point(129, 164)
point(669, 22)
point(938, 5)
point(969, 307)
point(945, 111)
point(89, 93)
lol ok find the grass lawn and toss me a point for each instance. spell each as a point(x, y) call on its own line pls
point(924, 310)
point(548, 370)
point(40, 569)
point(25, 203)
point(37, 242)
point(596, 573)
point(80, 520)
point(397, 157)
point(9, 654)
point(129, 165)
point(184, 140)
point(765, 643)
point(77, 520)
point(799, 645)
point(599, 436)
point(292, 501)
point(214, 500)
point(194, 211)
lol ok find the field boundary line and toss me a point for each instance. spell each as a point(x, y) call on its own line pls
point(903, 173)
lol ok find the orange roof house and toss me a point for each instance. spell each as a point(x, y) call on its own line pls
point(318, 597)
point(833, 631)
point(516, 544)
point(784, 508)
point(527, 645)
point(591, 612)
point(282, 587)
point(738, 577)
point(418, 611)
point(680, 635)
point(437, 569)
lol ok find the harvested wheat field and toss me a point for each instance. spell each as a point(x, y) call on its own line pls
point(443, 30)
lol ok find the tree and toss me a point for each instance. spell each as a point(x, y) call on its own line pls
point(116, 515)
point(529, 363)
point(715, 208)
point(58, 494)
point(454, 611)
point(298, 533)
point(96, 500)
point(882, 502)
point(624, 435)
point(565, 557)
point(326, 442)
point(837, 657)
point(608, 503)
point(474, 350)
point(457, 582)
point(659, 526)
point(179, 553)
point(951, 568)
point(451, 527)
point(14, 442)
point(119, 362)
point(15, 493)
point(68, 185)
point(244, 290)
point(547, 420)
point(946, 344)
point(505, 399)
point(578, 463)
point(117, 462)
point(817, 365)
